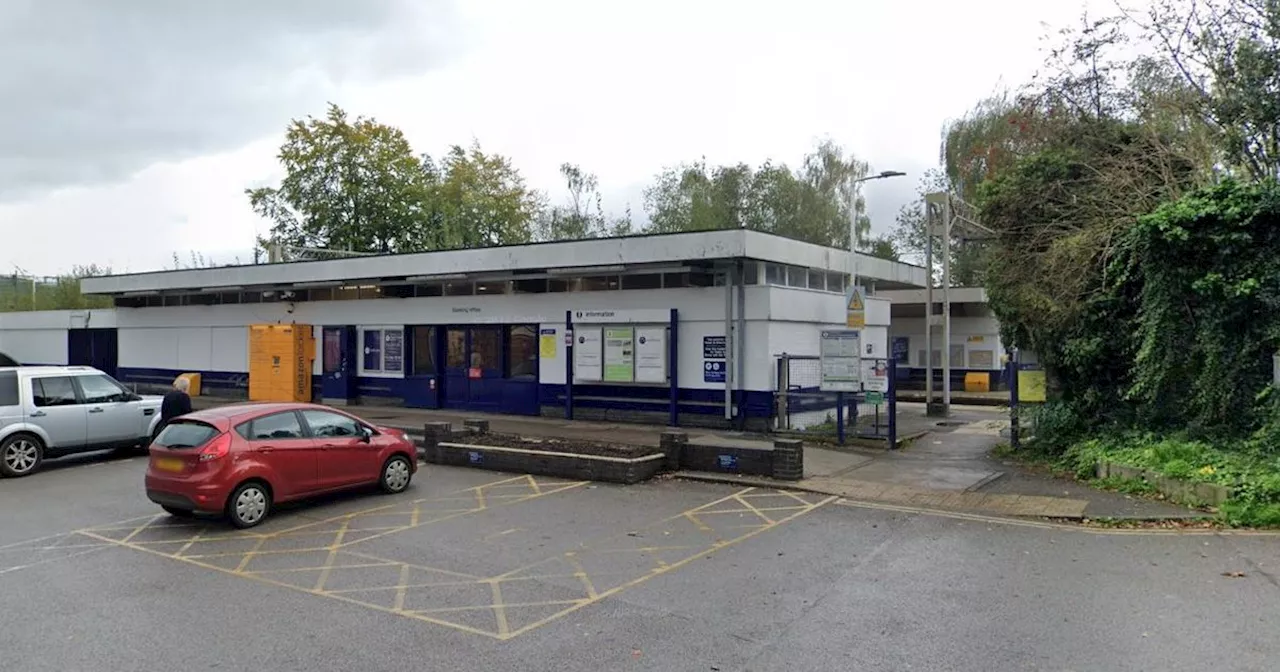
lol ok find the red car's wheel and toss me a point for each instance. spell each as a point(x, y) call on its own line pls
point(249, 504)
point(396, 474)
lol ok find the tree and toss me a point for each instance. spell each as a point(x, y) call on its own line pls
point(1227, 54)
point(350, 185)
point(584, 216)
point(24, 293)
point(481, 200)
point(968, 260)
point(881, 247)
point(813, 203)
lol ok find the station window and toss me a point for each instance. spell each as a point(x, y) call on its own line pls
point(531, 286)
point(797, 277)
point(486, 348)
point(750, 271)
point(643, 281)
point(775, 274)
point(596, 283)
point(459, 288)
point(492, 287)
point(835, 282)
point(522, 351)
point(433, 289)
point(817, 279)
point(382, 351)
point(424, 351)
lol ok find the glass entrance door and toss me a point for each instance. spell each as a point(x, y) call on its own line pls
point(473, 368)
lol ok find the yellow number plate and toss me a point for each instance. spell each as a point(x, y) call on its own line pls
point(169, 464)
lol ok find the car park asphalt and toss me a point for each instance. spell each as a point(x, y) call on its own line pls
point(476, 570)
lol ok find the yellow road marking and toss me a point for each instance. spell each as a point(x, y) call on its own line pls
point(401, 587)
point(663, 570)
point(499, 610)
point(707, 538)
point(582, 576)
point(268, 581)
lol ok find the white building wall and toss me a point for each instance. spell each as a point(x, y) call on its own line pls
point(41, 337)
point(978, 338)
point(214, 338)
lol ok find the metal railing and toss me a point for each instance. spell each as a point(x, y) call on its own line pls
point(803, 407)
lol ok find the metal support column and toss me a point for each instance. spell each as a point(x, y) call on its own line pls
point(673, 369)
point(568, 365)
point(946, 307)
point(728, 342)
point(892, 400)
point(740, 346)
point(840, 418)
point(928, 307)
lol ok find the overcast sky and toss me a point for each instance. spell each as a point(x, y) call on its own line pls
point(130, 128)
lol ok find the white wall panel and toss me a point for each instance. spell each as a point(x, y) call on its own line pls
point(148, 348)
point(195, 348)
point(229, 349)
point(35, 346)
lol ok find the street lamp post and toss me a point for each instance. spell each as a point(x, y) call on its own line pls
point(853, 222)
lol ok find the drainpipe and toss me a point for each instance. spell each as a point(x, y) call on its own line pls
point(740, 342)
point(729, 341)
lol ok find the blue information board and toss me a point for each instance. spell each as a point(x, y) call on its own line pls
point(713, 371)
point(713, 347)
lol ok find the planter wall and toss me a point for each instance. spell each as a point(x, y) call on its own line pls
point(784, 460)
point(1177, 490)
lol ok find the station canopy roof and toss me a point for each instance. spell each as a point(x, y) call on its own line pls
point(648, 253)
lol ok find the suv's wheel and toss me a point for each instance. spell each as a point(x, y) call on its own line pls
point(396, 474)
point(249, 504)
point(20, 455)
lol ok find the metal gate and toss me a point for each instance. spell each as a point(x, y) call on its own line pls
point(801, 406)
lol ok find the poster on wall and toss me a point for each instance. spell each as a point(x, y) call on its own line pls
point(587, 354)
point(875, 375)
point(651, 355)
point(547, 343)
point(902, 350)
point(393, 350)
point(619, 354)
point(840, 360)
point(714, 349)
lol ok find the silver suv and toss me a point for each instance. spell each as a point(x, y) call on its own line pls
point(52, 411)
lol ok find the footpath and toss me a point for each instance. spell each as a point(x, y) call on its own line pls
point(946, 465)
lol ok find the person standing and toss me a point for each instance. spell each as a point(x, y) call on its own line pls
point(176, 403)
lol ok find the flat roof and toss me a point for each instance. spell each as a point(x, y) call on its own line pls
point(602, 256)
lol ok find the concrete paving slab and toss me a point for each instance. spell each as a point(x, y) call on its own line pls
point(823, 462)
point(922, 475)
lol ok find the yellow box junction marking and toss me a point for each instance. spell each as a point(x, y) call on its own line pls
point(318, 557)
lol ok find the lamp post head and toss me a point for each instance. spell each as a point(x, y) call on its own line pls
point(891, 173)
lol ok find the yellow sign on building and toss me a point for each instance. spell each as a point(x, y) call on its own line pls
point(855, 308)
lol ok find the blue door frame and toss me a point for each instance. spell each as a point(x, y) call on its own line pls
point(422, 389)
point(338, 366)
point(477, 360)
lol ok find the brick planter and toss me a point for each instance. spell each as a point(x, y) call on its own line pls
point(441, 445)
point(783, 461)
point(627, 470)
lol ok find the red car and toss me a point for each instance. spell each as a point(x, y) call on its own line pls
point(242, 459)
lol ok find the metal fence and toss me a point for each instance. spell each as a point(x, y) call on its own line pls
point(803, 407)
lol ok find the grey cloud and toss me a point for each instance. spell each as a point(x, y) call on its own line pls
point(92, 91)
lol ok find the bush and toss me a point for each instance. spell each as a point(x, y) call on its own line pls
point(1254, 478)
